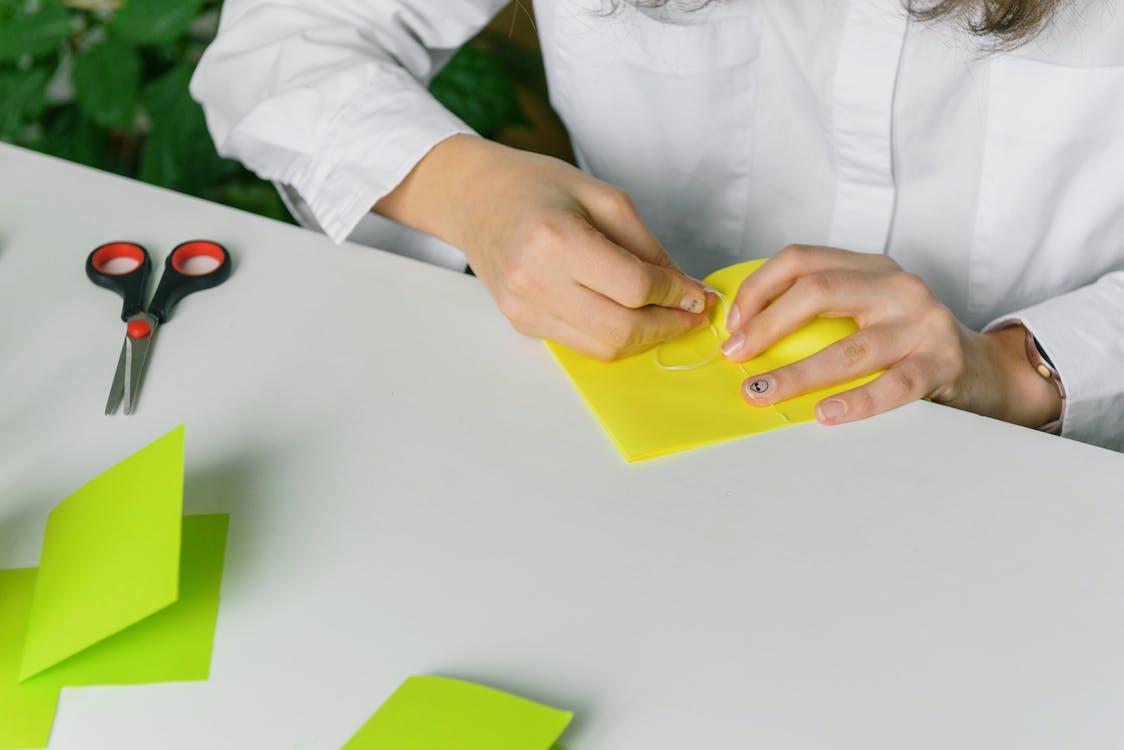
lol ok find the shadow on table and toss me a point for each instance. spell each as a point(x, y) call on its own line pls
point(238, 485)
point(21, 530)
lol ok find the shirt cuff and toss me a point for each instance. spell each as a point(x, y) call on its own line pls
point(369, 148)
point(1078, 334)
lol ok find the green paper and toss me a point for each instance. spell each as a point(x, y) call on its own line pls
point(26, 712)
point(173, 645)
point(438, 713)
point(111, 555)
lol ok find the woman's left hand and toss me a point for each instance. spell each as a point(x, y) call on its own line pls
point(904, 330)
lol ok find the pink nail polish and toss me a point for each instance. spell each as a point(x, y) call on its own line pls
point(759, 388)
point(831, 410)
point(733, 318)
point(733, 344)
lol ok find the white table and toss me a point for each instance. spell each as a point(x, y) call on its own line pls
point(414, 488)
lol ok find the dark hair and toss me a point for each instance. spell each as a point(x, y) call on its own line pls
point(1006, 23)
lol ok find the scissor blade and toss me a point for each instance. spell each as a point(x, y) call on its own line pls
point(136, 357)
point(117, 390)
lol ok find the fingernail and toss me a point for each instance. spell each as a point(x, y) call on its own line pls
point(759, 388)
point(831, 410)
point(693, 303)
point(735, 342)
point(733, 318)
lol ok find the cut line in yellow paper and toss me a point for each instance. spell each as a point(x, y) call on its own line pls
point(684, 395)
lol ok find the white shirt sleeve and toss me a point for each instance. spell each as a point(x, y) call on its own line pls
point(329, 97)
point(1083, 334)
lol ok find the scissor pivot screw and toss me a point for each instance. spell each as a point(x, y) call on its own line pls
point(138, 329)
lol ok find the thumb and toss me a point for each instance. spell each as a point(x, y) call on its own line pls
point(605, 267)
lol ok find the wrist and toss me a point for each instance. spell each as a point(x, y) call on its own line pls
point(428, 198)
point(1030, 398)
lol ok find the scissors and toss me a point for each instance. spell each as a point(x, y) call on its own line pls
point(123, 268)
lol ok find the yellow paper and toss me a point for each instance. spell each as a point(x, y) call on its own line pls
point(650, 410)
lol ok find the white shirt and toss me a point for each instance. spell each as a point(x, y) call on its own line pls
point(740, 128)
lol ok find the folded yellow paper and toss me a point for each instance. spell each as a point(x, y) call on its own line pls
point(684, 394)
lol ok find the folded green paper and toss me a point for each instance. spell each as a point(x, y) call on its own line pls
point(111, 555)
point(26, 713)
point(127, 591)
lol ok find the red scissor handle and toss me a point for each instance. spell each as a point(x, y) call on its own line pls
point(191, 267)
point(121, 267)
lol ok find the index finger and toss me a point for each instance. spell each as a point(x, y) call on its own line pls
point(607, 268)
point(779, 273)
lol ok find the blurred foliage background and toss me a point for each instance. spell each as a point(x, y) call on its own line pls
point(104, 83)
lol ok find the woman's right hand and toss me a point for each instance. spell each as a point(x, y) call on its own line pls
point(565, 256)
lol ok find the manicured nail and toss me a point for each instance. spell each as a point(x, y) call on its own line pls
point(735, 342)
point(733, 318)
point(831, 410)
point(759, 388)
point(693, 303)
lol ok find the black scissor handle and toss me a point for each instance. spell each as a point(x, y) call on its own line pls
point(121, 267)
point(181, 279)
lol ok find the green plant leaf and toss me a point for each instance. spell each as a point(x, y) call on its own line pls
point(178, 152)
point(477, 87)
point(106, 78)
point(154, 21)
point(22, 98)
point(34, 34)
point(71, 135)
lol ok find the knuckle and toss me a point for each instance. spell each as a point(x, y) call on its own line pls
point(866, 402)
point(520, 323)
point(887, 262)
point(817, 284)
point(620, 337)
point(603, 353)
point(793, 250)
point(855, 350)
point(944, 322)
point(547, 233)
point(903, 382)
point(793, 254)
point(618, 202)
point(508, 306)
point(637, 290)
point(520, 280)
point(912, 285)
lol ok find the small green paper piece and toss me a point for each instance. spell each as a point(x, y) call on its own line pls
point(111, 555)
point(26, 713)
point(439, 713)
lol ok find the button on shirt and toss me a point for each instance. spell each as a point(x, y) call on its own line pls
point(998, 177)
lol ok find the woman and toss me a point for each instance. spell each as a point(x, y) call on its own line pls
point(950, 176)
